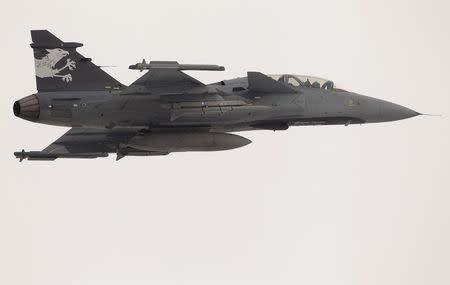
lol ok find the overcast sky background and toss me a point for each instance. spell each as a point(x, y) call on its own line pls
point(312, 205)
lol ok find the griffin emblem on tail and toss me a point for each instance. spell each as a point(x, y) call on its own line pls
point(46, 66)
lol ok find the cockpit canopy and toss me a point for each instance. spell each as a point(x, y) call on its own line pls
point(304, 81)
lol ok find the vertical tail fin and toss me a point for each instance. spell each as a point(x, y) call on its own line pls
point(59, 67)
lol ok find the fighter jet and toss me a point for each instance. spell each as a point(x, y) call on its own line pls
point(166, 110)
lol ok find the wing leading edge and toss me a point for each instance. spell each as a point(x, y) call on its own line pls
point(164, 74)
point(168, 76)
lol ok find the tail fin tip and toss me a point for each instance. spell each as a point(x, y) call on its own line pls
point(59, 67)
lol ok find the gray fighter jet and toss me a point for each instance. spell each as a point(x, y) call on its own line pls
point(167, 111)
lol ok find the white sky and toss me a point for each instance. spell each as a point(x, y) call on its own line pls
point(312, 205)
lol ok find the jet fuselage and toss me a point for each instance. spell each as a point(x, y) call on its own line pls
point(217, 107)
point(166, 110)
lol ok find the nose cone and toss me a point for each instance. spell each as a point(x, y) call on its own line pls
point(27, 108)
point(392, 112)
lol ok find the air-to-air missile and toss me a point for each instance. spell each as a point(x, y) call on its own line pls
point(174, 65)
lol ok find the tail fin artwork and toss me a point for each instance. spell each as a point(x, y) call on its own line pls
point(59, 67)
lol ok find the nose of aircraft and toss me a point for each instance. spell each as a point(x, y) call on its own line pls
point(27, 108)
point(392, 112)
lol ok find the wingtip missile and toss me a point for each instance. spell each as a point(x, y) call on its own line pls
point(174, 65)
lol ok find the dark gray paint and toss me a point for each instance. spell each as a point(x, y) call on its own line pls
point(168, 111)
